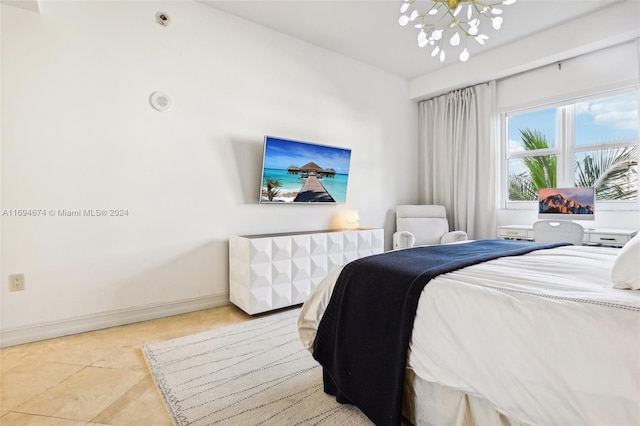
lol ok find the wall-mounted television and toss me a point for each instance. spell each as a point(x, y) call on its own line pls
point(303, 172)
point(566, 203)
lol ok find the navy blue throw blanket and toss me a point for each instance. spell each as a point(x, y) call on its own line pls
point(363, 337)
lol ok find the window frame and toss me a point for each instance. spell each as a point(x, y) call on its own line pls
point(565, 148)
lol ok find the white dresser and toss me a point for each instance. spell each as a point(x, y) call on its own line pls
point(611, 237)
point(272, 271)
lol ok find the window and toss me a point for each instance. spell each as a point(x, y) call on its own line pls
point(588, 142)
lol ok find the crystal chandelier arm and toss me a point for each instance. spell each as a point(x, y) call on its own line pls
point(422, 17)
point(452, 20)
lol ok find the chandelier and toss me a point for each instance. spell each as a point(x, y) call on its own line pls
point(448, 20)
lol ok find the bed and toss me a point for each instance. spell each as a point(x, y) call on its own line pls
point(547, 336)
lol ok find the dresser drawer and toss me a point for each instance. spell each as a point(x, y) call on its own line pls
point(608, 239)
point(514, 233)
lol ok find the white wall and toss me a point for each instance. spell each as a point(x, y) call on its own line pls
point(78, 133)
point(600, 71)
point(606, 69)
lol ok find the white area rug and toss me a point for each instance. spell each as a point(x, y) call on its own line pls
point(251, 373)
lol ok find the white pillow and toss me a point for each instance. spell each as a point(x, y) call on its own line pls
point(626, 268)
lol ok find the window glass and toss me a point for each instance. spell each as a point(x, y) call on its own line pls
point(607, 120)
point(526, 175)
point(612, 171)
point(543, 123)
point(591, 143)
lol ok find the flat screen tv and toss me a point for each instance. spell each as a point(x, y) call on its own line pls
point(566, 203)
point(302, 172)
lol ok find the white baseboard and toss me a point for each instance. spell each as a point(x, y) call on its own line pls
point(101, 320)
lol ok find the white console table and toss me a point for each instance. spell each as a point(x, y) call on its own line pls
point(273, 271)
point(611, 237)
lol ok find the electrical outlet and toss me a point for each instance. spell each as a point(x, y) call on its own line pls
point(16, 282)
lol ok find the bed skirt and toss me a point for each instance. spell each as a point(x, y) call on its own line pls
point(427, 403)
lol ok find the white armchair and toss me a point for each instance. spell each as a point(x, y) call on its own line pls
point(423, 225)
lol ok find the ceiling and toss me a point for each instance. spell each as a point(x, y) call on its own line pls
point(368, 30)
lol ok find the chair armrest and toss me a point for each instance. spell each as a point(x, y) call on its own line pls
point(453, 236)
point(403, 239)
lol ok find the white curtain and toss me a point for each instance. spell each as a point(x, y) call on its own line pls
point(458, 164)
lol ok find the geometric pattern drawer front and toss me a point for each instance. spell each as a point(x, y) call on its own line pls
point(335, 250)
point(318, 268)
point(318, 244)
point(281, 272)
point(299, 292)
point(280, 249)
point(300, 269)
point(281, 296)
point(271, 272)
point(350, 247)
point(318, 261)
point(300, 246)
point(260, 251)
point(281, 264)
point(260, 275)
point(260, 263)
point(377, 243)
point(335, 244)
point(364, 243)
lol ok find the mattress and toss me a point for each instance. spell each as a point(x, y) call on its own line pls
point(543, 337)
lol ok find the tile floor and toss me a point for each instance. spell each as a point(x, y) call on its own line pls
point(96, 378)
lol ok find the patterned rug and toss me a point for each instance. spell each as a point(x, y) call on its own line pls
point(251, 373)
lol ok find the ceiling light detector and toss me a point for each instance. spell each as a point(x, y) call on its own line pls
point(162, 18)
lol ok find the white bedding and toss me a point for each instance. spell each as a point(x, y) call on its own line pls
point(544, 337)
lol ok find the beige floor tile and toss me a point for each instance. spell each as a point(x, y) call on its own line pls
point(79, 349)
point(7, 364)
point(141, 405)
point(99, 377)
point(133, 334)
point(21, 419)
point(123, 358)
point(93, 347)
point(191, 323)
point(26, 379)
point(83, 395)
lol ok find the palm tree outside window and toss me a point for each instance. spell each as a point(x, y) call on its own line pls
point(593, 142)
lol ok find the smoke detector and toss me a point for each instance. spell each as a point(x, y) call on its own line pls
point(163, 18)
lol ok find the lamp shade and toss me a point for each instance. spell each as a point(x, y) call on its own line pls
point(351, 218)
